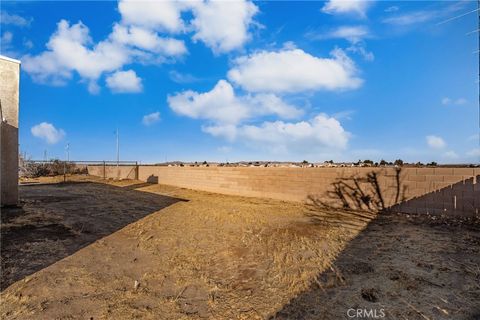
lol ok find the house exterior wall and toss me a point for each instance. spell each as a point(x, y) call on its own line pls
point(9, 99)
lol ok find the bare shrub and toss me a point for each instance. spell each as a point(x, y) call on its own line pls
point(33, 169)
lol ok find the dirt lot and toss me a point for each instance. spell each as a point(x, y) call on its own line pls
point(130, 250)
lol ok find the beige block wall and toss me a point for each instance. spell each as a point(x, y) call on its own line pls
point(424, 190)
point(9, 99)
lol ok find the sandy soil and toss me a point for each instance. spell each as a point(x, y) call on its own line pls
point(129, 250)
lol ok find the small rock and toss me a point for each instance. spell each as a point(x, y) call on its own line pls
point(136, 285)
point(370, 294)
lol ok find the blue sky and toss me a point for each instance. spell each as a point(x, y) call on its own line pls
point(230, 81)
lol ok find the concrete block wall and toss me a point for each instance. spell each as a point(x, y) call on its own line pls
point(424, 190)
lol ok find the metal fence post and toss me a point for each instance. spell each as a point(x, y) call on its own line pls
point(104, 173)
point(136, 170)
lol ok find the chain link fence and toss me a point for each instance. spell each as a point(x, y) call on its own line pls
point(43, 168)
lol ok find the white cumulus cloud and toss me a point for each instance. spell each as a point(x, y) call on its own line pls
point(231, 117)
point(355, 7)
point(151, 118)
point(124, 82)
point(162, 15)
point(220, 25)
point(318, 133)
point(222, 105)
point(47, 132)
point(435, 142)
point(294, 71)
point(223, 25)
point(69, 49)
point(147, 40)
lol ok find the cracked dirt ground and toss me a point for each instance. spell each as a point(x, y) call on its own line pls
point(129, 250)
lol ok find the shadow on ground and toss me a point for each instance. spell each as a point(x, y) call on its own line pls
point(404, 268)
point(399, 267)
point(56, 220)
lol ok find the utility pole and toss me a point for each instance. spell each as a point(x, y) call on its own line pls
point(118, 156)
point(65, 164)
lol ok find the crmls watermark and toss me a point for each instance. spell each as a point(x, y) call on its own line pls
point(366, 313)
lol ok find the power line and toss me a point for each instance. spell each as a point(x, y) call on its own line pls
point(472, 32)
point(474, 52)
point(459, 16)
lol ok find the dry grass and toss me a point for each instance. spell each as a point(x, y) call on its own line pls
point(213, 256)
point(241, 257)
